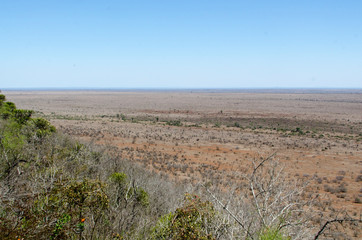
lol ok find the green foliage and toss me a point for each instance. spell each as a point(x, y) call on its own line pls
point(15, 225)
point(9, 106)
point(85, 194)
point(119, 178)
point(11, 147)
point(43, 127)
point(121, 185)
point(17, 129)
point(22, 116)
point(68, 205)
point(41, 124)
point(174, 123)
point(141, 196)
point(9, 111)
point(58, 231)
point(272, 234)
point(5, 114)
point(191, 221)
point(299, 131)
point(2, 98)
point(6, 109)
point(125, 192)
point(162, 229)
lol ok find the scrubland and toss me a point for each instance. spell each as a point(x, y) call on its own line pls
point(254, 164)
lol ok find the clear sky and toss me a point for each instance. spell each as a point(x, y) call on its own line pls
point(180, 44)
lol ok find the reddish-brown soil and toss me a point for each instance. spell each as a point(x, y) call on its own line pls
point(213, 136)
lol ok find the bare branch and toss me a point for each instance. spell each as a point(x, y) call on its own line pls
point(332, 221)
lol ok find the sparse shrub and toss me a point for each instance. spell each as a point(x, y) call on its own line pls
point(341, 195)
point(319, 180)
point(342, 172)
point(217, 125)
point(339, 178)
point(342, 188)
point(359, 178)
point(174, 123)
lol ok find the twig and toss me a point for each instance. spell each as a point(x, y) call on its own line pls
point(332, 221)
point(227, 210)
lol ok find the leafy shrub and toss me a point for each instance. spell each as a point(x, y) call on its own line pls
point(22, 116)
point(272, 234)
point(2, 98)
point(43, 127)
point(11, 147)
point(9, 106)
point(126, 192)
point(192, 221)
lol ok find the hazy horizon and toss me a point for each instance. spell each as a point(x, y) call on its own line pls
point(196, 90)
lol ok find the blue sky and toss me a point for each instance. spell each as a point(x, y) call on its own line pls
point(180, 44)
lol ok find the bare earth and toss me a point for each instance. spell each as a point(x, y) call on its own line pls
point(212, 136)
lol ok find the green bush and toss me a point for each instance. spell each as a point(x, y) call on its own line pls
point(2, 98)
point(191, 221)
point(9, 106)
point(125, 192)
point(43, 127)
point(68, 205)
point(272, 234)
point(22, 116)
point(11, 147)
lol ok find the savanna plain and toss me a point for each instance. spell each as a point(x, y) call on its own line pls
point(213, 138)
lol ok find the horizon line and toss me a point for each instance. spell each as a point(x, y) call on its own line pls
point(229, 90)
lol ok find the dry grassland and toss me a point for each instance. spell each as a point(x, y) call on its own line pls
point(210, 136)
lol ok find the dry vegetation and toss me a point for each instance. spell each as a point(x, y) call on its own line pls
point(215, 138)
